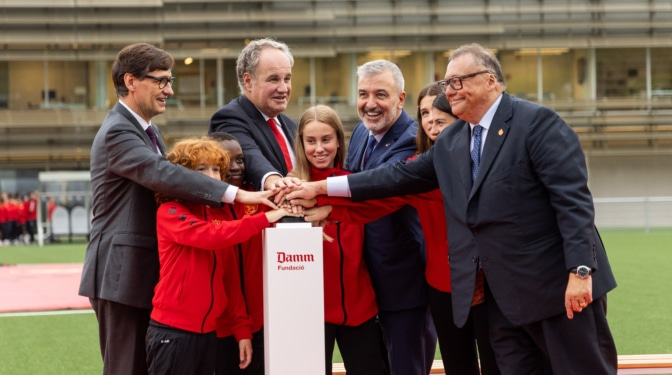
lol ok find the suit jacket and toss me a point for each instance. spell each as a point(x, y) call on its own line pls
point(262, 153)
point(528, 217)
point(121, 262)
point(393, 247)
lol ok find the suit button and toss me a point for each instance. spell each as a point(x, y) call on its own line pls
point(474, 231)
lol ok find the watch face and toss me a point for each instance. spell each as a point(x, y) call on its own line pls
point(583, 272)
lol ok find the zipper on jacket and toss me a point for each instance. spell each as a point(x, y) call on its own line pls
point(212, 279)
point(241, 271)
point(341, 266)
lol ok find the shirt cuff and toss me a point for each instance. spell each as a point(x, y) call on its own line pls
point(338, 186)
point(230, 194)
point(263, 179)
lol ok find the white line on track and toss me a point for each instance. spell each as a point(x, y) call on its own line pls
point(43, 313)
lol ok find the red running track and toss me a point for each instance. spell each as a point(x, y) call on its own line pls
point(41, 287)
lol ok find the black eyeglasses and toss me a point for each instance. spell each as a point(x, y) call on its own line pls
point(163, 81)
point(456, 82)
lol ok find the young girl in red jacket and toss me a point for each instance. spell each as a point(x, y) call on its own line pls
point(195, 243)
point(457, 345)
point(232, 352)
point(349, 300)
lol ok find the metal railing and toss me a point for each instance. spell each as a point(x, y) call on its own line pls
point(615, 126)
point(633, 212)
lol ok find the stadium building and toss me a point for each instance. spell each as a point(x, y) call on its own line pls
point(604, 65)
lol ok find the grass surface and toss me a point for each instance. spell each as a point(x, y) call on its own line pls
point(639, 308)
point(52, 344)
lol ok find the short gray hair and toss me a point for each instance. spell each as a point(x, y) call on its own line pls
point(380, 66)
point(248, 60)
point(482, 57)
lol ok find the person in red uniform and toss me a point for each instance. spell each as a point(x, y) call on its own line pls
point(4, 225)
point(14, 228)
point(457, 345)
point(194, 288)
point(30, 209)
point(249, 263)
point(350, 307)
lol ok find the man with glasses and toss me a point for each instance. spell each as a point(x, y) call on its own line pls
point(121, 265)
point(520, 219)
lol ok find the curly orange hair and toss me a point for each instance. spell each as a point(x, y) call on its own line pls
point(190, 152)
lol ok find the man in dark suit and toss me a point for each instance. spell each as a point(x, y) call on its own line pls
point(255, 118)
point(121, 265)
point(525, 221)
point(394, 248)
point(264, 69)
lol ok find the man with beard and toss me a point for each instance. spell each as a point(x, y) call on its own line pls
point(394, 248)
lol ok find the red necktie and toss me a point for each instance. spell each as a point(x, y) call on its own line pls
point(282, 143)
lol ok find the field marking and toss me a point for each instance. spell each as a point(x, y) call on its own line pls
point(45, 313)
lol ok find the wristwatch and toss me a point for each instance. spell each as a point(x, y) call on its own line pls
point(583, 272)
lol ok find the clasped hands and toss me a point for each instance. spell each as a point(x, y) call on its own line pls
point(299, 197)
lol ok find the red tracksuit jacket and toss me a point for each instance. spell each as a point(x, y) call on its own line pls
point(248, 258)
point(349, 298)
point(195, 282)
point(432, 219)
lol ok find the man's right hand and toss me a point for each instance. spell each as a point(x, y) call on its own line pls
point(307, 190)
point(281, 186)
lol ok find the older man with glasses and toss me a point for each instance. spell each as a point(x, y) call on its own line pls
point(520, 222)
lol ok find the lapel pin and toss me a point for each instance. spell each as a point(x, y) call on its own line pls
point(500, 132)
point(387, 145)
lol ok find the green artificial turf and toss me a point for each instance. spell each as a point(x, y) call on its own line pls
point(63, 252)
point(51, 344)
point(638, 310)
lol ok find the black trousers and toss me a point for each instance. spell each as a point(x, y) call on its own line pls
point(228, 356)
point(360, 348)
point(121, 331)
point(556, 345)
point(172, 351)
point(458, 348)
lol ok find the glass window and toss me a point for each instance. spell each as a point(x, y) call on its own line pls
point(621, 72)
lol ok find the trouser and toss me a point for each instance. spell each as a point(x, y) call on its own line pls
point(121, 330)
point(556, 345)
point(360, 347)
point(178, 352)
point(410, 339)
point(228, 356)
point(31, 226)
point(458, 348)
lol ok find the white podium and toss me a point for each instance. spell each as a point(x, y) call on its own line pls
point(293, 300)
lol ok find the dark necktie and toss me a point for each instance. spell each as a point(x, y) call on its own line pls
point(479, 287)
point(370, 145)
point(476, 152)
point(152, 136)
point(282, 143)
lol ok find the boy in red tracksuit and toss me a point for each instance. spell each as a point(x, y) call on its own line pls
point(194, 288)
point(248, 260)
point(349, 299)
